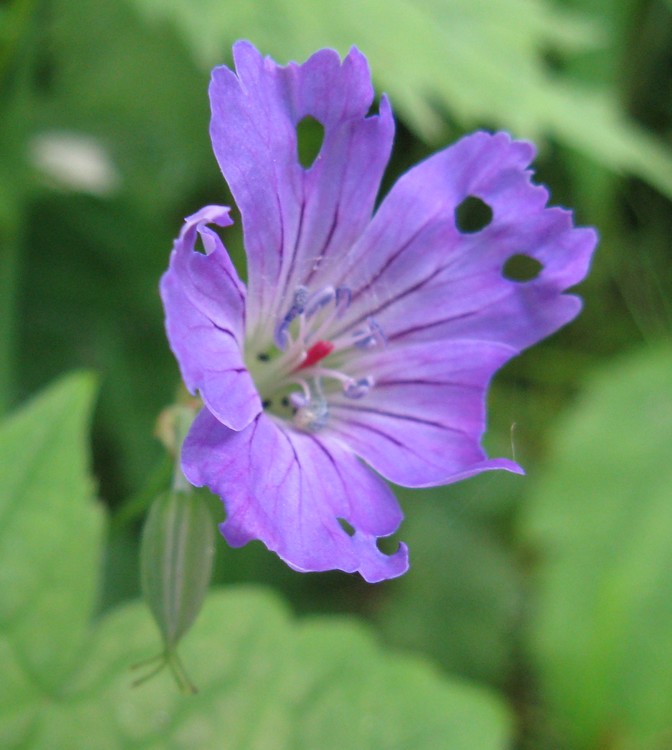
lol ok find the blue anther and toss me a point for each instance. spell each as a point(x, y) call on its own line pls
point(368, 338)
point(358, 388)
point(319, 300)
point(343, 298)
point(281, 335)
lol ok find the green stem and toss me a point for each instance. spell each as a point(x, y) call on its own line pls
point(135, 506)
point(184, 416)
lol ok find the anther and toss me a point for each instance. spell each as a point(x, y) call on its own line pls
point(312, 416)
point(297, 400)
point(298, 307)
point(343, 299)
point(358, 388)
point(367, 338)
point(319, 300)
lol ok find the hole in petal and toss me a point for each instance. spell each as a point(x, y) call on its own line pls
point(349, 530)
point(472, 215)
point(388, 545)
point(522, 268)
point(309, 137)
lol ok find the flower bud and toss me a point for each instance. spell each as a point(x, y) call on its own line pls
point(176, 561)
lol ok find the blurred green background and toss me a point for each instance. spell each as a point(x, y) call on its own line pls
point(554, 591)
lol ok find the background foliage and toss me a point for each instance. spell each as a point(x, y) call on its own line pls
point(539, 609)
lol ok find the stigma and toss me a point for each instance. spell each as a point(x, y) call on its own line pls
point(310, 330)
point(317, 352)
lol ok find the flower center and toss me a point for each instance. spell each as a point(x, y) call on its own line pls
point(306, 365)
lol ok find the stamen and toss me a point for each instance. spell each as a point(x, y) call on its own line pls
point(297, 400)
point(312, 414)
point(303, 334)
point(368, 338)
point(319, 300)
point(358, 388)
point(298, 307)
point(343, 299)
point(352, 387)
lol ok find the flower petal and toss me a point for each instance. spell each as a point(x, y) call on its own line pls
point(297, 222)
point(422, 421)
point(204, 302)
point(422, 279)
point(289, 489)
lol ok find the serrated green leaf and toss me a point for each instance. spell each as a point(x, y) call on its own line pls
point(481, 61)
point(266, 681)
point(50, 532)
point(602, 518)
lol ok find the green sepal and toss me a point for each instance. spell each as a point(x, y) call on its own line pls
point(176, 561)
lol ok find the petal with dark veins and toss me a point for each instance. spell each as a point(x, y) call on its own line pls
point(288, 489)
point(205, 320)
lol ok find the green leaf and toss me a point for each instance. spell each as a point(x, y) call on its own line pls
point(601, 517)
point(265, 679)
point(482, 61)
point(50, 532)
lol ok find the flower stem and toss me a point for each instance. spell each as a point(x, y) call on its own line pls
point(134, 506)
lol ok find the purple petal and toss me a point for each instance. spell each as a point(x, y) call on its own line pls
point(422, 279)
point(422, 421)
point(289, 489)
point(297, 222)
point(204, 302)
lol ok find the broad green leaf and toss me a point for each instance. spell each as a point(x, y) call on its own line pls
point(601, 519)
point(265, 679)
point(50, 533)
point(481, 61)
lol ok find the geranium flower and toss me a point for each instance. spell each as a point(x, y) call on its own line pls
point(362, 346)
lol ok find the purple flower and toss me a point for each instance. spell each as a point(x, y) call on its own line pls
point(362, 347)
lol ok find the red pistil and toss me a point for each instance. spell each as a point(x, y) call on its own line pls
point(317, 351)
